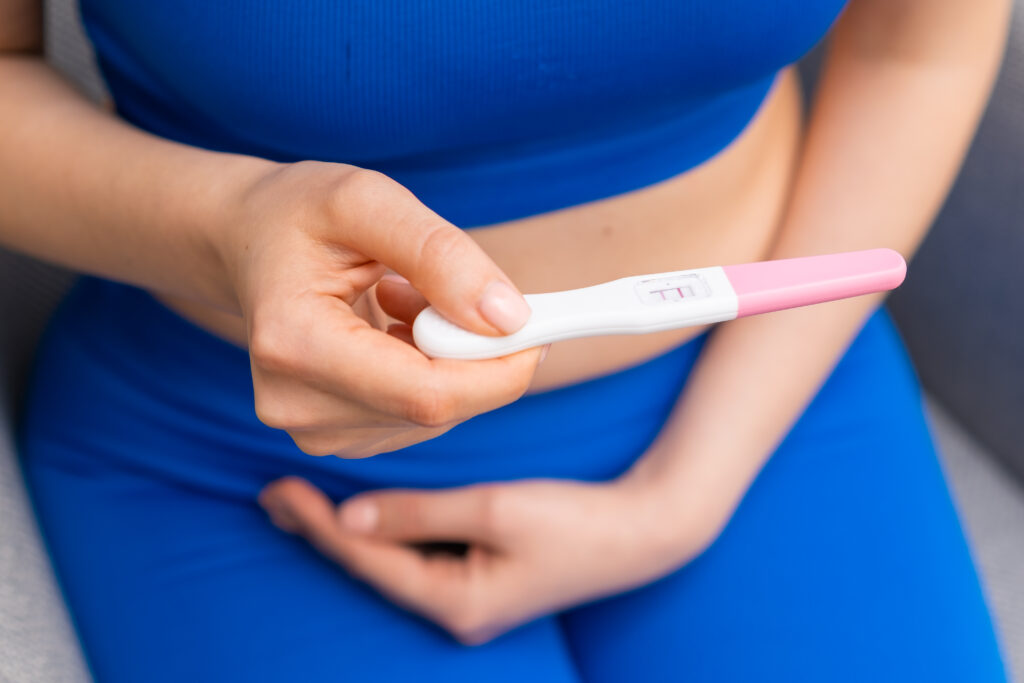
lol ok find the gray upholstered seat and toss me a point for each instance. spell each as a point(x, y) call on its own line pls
point(964, 329)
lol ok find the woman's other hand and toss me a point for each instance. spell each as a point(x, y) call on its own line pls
point(534, 546)
point(306, 242)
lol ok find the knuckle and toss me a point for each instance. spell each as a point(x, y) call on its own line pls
point(521, 381)
point(355, 453)
point(334, 443)
point(430, 407)
point(317, 445)
point(364, 179)
point(273, 412)
point(357, 187)
point(440, 243)
point(511, 380)
point(282, 410)
point(299, 171)
point(468, 624)
point(271, 347)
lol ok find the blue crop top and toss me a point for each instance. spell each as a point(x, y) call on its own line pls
point(488, 110)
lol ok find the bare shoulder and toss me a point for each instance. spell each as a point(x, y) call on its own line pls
point(21, 25)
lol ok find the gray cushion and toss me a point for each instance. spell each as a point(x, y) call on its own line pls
point(991, 505)
point(68, 50)
point(36, 639)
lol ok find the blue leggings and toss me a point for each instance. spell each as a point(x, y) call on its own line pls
point(844, 562)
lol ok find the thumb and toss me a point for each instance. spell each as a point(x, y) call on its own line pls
point(442, 262)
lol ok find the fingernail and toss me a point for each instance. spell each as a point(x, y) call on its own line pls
point(359, 516)
point(394, 277)
point(504, 307)
point(544, 353)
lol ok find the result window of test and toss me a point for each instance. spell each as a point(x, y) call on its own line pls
point(673, 288)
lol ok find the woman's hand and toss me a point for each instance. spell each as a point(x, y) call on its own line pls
point(534, 546)
point(305, 243)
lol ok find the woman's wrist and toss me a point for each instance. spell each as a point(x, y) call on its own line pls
point(223, 226)
point(679, 512)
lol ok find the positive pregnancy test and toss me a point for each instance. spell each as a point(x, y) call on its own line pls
point(666, 301)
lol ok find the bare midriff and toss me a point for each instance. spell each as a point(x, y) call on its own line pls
point(727, 210)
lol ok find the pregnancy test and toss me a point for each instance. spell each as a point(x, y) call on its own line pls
point(667, 301)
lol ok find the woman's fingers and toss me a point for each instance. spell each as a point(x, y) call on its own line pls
point(316, 383)
point(470, 514)
point(403, 332)
point(399, 299)
point(385, 221)
point(462, 595)
point(362, 442)
point(298, 507)
point(283, 402)
point(424, 585)
point(326, 345)
point(393, 377)
point(322, 423)
point(312, 319)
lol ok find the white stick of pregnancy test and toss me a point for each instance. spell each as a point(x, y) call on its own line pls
point(665, 301)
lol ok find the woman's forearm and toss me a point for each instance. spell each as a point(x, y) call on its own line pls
point(81, 188)
point(898, 102)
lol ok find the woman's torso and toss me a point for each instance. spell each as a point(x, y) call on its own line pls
point(584, 141)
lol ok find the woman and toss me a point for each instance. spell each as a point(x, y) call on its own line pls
point(761, 502)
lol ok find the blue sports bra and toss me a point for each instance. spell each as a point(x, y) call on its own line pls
point(488, 110)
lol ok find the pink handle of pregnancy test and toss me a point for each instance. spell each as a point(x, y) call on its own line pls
point(775, 285)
